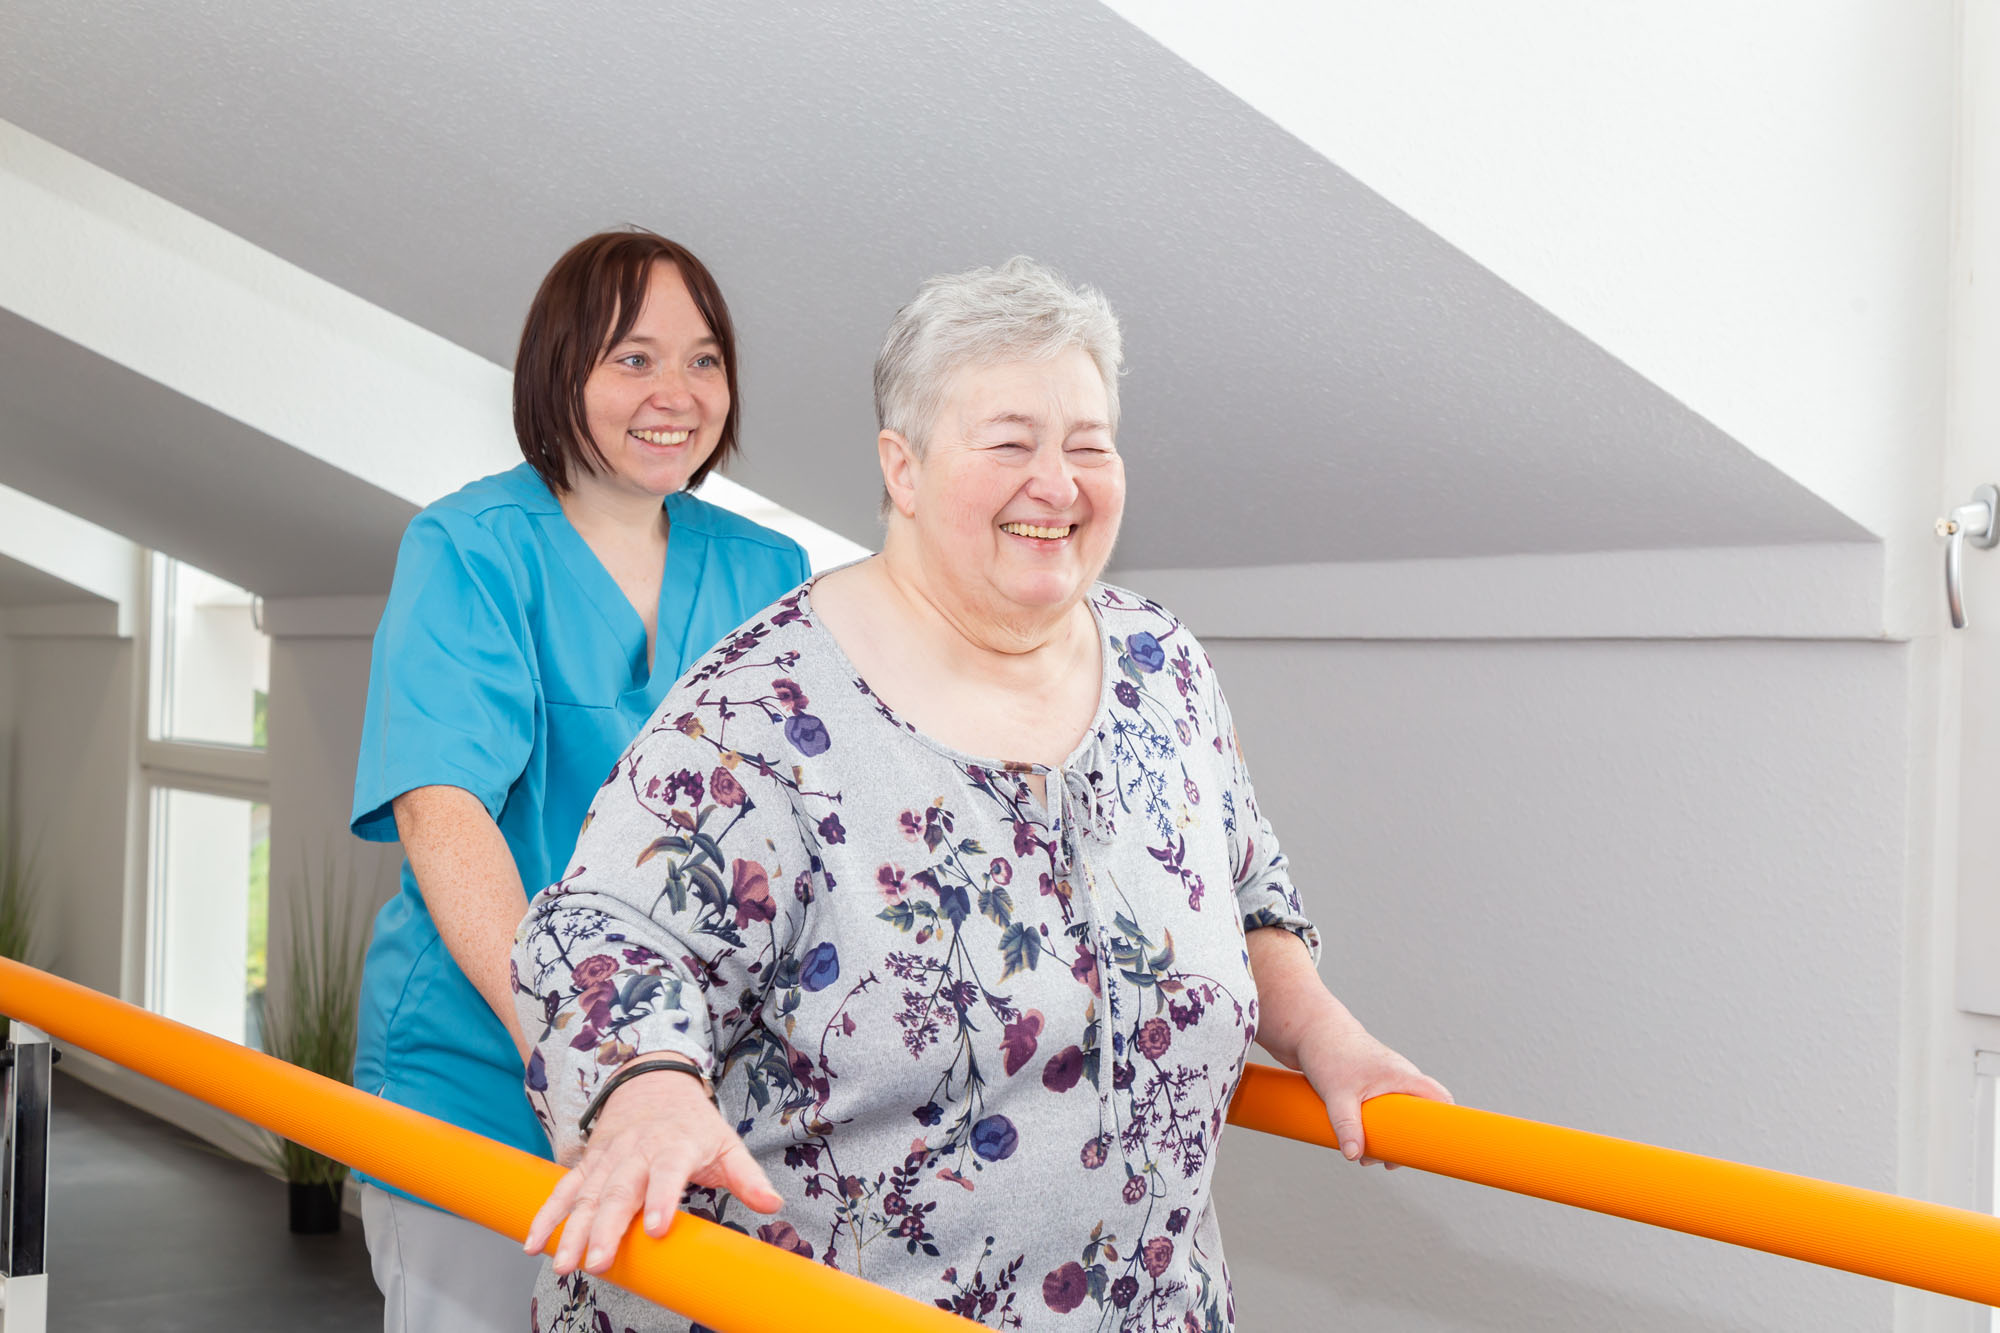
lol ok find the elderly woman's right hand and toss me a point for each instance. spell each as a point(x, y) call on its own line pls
point(657, 1134)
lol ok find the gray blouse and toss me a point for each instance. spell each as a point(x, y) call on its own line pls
point(983, 1048)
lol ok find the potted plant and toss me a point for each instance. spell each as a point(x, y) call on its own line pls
point(311, 1023)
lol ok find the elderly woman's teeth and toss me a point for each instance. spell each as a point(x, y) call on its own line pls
point(660, 436)
point(1030, 530)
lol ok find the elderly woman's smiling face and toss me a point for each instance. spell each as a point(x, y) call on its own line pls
point(1020, 490)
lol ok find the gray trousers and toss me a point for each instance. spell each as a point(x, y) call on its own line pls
point(443, 1273)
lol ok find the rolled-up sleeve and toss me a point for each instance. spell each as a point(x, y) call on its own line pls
point(451, 692)
point(676, 909)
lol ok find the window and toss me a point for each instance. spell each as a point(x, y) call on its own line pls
point(207, 898)
point(211, 663)
point(211, 901)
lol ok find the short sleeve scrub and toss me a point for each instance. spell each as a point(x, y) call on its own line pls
point(510, 664)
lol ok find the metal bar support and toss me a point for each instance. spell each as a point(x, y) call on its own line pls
point(24, 1179)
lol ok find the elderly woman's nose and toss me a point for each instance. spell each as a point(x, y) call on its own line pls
point(1053, 480)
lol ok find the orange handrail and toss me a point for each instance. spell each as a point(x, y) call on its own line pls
point(715, 1276)
point(1918, 1244)
point(730, 1282)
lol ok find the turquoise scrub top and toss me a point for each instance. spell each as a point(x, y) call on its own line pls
point(509, 663)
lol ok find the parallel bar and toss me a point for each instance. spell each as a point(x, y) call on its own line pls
point(1928, 1245)
point(738, 1285)
point(717, 1277)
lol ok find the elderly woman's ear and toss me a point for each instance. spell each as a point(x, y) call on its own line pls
point(899, 473)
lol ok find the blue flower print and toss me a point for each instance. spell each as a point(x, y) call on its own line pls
point(808, 734)
point(1145, 652)
point(821, 967)
point(995, 1138)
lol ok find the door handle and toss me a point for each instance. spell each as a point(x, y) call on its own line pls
point(1978, 522)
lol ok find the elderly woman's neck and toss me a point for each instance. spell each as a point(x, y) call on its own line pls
point(976, 624)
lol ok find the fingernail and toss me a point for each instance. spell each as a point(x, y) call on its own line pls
point(593, 1259)
point(1350, 1150)
point(653, 1221)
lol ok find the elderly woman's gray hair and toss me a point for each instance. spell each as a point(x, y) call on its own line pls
point(1020, 311)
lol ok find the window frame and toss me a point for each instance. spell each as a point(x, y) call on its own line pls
point(208, 768)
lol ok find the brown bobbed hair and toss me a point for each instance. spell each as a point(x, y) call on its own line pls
point(587, 303)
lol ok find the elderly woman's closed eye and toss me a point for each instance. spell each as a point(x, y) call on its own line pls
point(947, 872)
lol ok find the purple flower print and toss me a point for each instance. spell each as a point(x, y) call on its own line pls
point(1135, 1188)
point(912, 825)
point(1096, 1152)
point(598, 967)
point(1002, 870)
point(821, 967)
point(929, 1113)
point(538, 1073)
point(790, 695)
point(1064, 1289)
point(1019, 1040)
point(892, 882)
point(751, 894)
point(724, 787)
point(1145, 652)
point(1062, 1071)
point(831, 831)
point(995, 1138)
point(1126, 693)
point(1156, 1254)
point(1155, 1035)
point(1123, 1290)
point(786, 1237)
point(684, 781)
point(1177, 1221)
point(1084, 969)
point(807, 734)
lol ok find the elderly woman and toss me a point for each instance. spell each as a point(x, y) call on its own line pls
point(933, 911)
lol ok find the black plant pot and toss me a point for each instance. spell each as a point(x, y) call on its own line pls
point(315, 1208)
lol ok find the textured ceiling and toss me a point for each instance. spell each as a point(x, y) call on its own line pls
point(1312, 374)
point(91, 437)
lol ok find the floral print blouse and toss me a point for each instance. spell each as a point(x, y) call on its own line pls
point(982, 1047)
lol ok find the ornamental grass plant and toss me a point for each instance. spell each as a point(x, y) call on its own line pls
point(310, 1022)
point(19, 908)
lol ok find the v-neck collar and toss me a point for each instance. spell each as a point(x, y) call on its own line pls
point(680, 578)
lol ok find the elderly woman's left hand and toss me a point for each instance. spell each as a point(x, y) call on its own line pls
point(1346, 1067)
point(1307, 1029)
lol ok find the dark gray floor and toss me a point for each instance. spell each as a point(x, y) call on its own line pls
point(151, 1229)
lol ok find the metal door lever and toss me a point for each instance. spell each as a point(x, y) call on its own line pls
point(1977, 522)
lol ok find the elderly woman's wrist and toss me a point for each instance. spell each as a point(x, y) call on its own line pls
point(650, 1071)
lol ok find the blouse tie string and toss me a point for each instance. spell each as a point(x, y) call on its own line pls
point(1083, 813)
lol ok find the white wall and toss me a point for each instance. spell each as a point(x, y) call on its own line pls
point(7, 710)
point(73, 756)
point(1749, 204)
point(1649, 889)
point(319, 687)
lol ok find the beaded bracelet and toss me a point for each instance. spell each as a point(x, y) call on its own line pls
point(633, 1070)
